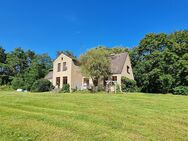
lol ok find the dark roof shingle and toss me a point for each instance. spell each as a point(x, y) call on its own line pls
point(117, 62)
point(49, 75)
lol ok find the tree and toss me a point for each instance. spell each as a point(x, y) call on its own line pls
point(3, 75)
point(160, 62)
point(95, 64)
point(2, 55)
point(117, 50)
point(38, 68)
point(16, 61)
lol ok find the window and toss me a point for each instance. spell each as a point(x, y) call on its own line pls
point(114, 78)
point(59, 67)
point(64, 66)
point(128, 69)
point(86, 81)
point(58, 81)
point(65, 80)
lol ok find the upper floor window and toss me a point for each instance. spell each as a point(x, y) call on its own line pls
point(59, 67)
point(64, 66)
point(128, 69)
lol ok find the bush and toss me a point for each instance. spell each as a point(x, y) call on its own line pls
point(181, 90)
point(128, 85)
point(18, 83)
point(66, 88)
point(41, 85)
point(118, 88)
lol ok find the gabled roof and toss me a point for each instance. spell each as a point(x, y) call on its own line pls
point(75, 60)
point(49, 75)
point(117, 62)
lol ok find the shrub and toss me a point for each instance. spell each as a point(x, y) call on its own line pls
point(128, 85)
point(41, 85)
point(66, 88)
point(18, 83)
point(118, 88)
point(181, 90)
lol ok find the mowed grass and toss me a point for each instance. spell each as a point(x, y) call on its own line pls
point(85, 117)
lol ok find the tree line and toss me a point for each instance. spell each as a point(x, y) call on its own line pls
point(21, 68)
point(160, 63)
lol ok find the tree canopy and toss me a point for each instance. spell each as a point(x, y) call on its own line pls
point(95, 64)
point(22, 68)
point(160, 62)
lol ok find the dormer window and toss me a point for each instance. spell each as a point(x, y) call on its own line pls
point(64, 66)
point(128, 69)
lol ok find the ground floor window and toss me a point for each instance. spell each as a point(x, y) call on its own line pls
point(86, 81)
point(114, 78)
point(65, 80)
point(58, 81)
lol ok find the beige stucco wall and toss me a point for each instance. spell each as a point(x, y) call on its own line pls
point(77, 78)
point(124, 70)
point(62, 74)
point(118, 78)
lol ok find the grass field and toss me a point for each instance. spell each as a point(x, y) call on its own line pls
point(26, 116)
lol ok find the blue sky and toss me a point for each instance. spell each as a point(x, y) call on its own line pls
point(46, 26)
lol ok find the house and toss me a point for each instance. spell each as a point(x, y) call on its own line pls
point(66, 70)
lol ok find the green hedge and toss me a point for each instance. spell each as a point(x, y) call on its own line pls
point(128, 85)
point(41, 85)
point(181, 90)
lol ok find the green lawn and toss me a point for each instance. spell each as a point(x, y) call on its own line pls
point(26, 116)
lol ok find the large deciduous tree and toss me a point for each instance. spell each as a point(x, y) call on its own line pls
point(39, 67)
point(160, 62)
point(16, 61)
point(95, 64)
point(23, 67)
